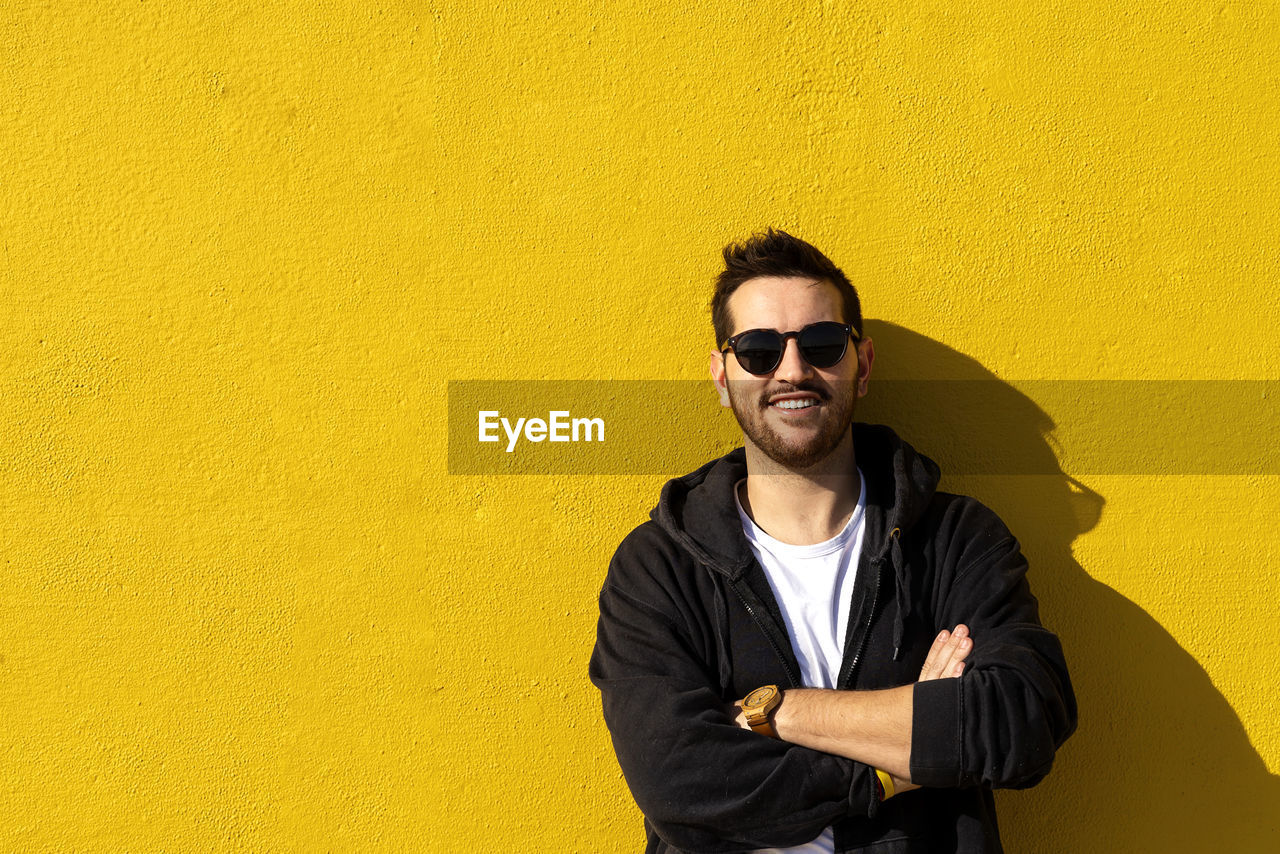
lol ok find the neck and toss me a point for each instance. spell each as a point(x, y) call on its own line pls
point(802, 507)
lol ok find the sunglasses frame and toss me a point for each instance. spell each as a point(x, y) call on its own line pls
point(849, 332)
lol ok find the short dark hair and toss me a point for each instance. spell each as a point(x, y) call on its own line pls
point(776, 253)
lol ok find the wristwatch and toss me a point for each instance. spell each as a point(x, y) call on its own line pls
point(758, 706)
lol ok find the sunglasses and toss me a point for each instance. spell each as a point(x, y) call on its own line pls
point(759, 351)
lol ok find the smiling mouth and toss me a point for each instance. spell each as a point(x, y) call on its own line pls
point(797, 403)
point(791, 405)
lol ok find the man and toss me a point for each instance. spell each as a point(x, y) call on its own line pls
point(808, 647)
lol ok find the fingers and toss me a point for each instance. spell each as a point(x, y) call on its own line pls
point(962, 645)
point(935, 653)
point(946, 656)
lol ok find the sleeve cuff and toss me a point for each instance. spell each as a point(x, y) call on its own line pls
point(864, 793)
point(935, 733)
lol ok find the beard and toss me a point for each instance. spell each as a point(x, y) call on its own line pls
point(796, 446)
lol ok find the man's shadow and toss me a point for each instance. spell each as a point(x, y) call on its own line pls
point(1160, 761)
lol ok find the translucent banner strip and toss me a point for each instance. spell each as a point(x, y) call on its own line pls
point(1077, 427)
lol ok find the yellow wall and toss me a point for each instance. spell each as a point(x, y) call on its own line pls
point(243, 604)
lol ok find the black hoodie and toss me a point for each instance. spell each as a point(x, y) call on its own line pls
point(688, 624)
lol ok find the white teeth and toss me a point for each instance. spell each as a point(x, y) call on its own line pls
point(796, 404)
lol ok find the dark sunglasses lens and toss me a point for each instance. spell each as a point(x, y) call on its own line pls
point(759, 352)
point(823, 344)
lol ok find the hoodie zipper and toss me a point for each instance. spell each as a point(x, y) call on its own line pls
point(847, 677)
point(768, 633)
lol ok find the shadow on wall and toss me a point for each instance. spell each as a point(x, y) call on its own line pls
point(1160, 761)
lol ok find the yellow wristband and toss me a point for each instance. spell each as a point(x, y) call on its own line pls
point(886, 783)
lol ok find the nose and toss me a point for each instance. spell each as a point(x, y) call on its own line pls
point(793, 367)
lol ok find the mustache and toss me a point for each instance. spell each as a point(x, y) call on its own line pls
point(787, 388)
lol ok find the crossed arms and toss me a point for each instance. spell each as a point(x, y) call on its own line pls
point(709, 785)
point(872, 727)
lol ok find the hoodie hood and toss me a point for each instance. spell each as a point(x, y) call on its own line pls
point(699, 513)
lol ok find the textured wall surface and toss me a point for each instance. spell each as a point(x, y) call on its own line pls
point(246, 246)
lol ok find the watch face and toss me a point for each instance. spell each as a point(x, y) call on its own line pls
point(759, 696)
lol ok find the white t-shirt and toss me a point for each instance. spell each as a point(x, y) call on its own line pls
point(814, 588)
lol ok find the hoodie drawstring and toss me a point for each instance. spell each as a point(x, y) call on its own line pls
point(721, 629)
point(902, 594)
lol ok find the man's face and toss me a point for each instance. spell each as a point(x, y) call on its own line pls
point(796, 438)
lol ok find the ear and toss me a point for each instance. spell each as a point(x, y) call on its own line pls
point(718, 377)
point(866, 355)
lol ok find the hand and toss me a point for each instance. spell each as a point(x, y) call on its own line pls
point(900, 785)
point(946, 656)
point(735, 712)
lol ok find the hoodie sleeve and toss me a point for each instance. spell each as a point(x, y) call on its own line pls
point(703, 783)
point(1000, 723)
